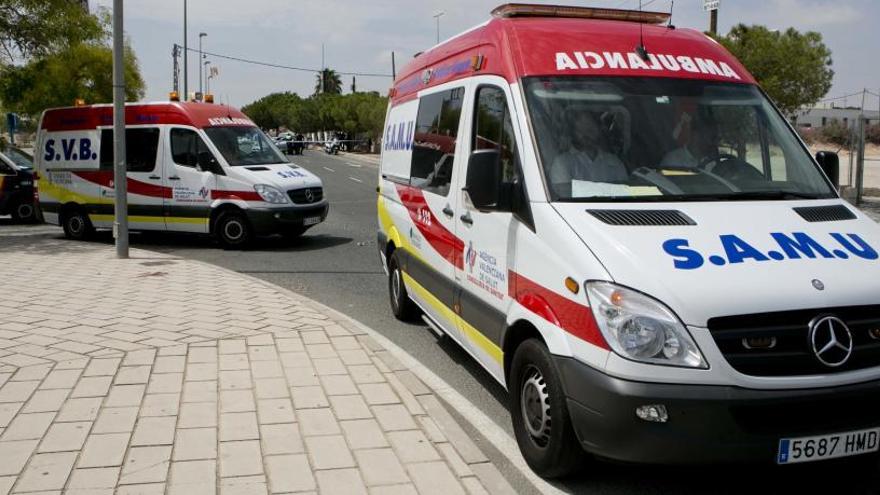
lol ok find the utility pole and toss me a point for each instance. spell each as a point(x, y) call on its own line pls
point(323, 71)
point(176, 70)
point(201, 88)
point(712, 7)
point(185, 58)
point(437, 16)
point(393, 69)
point(120, 185)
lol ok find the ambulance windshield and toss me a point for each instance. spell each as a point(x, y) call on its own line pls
point(241, 145)
point(643, 139)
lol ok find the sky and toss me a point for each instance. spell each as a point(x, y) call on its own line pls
point(359, 36)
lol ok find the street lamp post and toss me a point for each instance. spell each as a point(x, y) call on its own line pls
point(185, 58)
point(120, 183)
point(201, 35)
point(437, 16)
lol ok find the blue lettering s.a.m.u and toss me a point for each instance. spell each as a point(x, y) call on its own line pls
point(863, 250)
point(685, 258)
point(800, 243)
point(738, 250)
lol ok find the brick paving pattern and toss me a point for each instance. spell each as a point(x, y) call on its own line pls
point(162, 375)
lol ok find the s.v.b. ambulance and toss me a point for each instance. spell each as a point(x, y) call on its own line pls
point(192, 167)
point(613, 219)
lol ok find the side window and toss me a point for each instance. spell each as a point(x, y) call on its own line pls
point(140, 154)
point(434, 142)
point(186, 145)
point(493, 129)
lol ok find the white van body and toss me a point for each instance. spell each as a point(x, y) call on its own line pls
point(763, 304)
point(179, 179)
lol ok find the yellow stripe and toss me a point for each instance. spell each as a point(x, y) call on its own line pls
point(474, 335)
point(145, 219)
point(64, 195)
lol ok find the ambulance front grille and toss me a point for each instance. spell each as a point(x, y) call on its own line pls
point(832, 213)
point(778, 344)
point(306, 195)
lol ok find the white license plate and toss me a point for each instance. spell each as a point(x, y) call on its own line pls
point(807, 449)
point(312, 221)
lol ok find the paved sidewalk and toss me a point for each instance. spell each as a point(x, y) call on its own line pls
point(163, 375)
point(871, 207)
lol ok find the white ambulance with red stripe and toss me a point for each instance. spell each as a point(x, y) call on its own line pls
point(613, 219)
point(192, 167)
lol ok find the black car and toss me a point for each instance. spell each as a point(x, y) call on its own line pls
point(17, 185)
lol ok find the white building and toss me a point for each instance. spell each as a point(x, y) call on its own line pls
point(820, 117)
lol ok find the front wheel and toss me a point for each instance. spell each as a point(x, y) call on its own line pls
point(77, 225)
point(401, 305)
point(541, 422)
point(233, 230)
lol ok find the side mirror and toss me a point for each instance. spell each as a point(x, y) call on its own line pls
point(830, 163)
point(483, 183)
point(207, 163)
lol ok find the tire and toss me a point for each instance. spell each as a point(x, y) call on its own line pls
point(233, 230)
point(541, 422)
point(77, 226)
point(401, 305)
point(24, 213)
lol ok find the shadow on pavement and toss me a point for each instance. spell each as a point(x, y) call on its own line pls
point(180, 240)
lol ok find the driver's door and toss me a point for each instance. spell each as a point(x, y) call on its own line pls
point(188, 206)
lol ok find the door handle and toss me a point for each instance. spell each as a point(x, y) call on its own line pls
point(448, 211)
point(174, 177)
point(155, 177)
point(466, 218)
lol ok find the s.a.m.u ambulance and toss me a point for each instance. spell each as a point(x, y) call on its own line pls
point(192, 167)
point(613, 219)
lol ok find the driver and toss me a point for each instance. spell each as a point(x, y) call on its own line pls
point(698, 140)
point(586, 159)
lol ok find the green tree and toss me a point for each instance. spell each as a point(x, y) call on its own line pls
point(58, 79)
point(37, 27)
point(794, 68)
point(328, 82)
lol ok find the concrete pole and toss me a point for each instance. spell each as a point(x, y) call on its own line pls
point(120, 185)
point(713, 22)
point(185, 58)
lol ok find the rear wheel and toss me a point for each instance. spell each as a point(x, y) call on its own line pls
point(541, 422)
point(77, 226)
point(233, 230)
point(24, 213)
point(401, 305)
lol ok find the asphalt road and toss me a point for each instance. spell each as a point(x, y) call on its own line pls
point(337, 264)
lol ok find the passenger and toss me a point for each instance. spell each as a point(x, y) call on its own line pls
point(585, 160)
point(698, 139)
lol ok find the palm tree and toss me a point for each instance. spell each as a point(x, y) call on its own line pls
point(328, 81)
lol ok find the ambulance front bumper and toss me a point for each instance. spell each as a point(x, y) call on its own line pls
point(268, 221)
point(706, 424)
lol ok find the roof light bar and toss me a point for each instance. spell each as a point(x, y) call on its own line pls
point(533, 10)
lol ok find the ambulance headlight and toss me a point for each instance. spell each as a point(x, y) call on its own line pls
point(271, 195)
point(641, 328)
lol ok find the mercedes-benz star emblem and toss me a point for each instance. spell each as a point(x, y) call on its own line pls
point(831, 341)
point(310, 196)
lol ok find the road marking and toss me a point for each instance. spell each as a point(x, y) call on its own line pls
point(330, 169)
point(356, 180)
point(355, 165)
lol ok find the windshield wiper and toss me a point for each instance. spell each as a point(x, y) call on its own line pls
point(773, 195)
